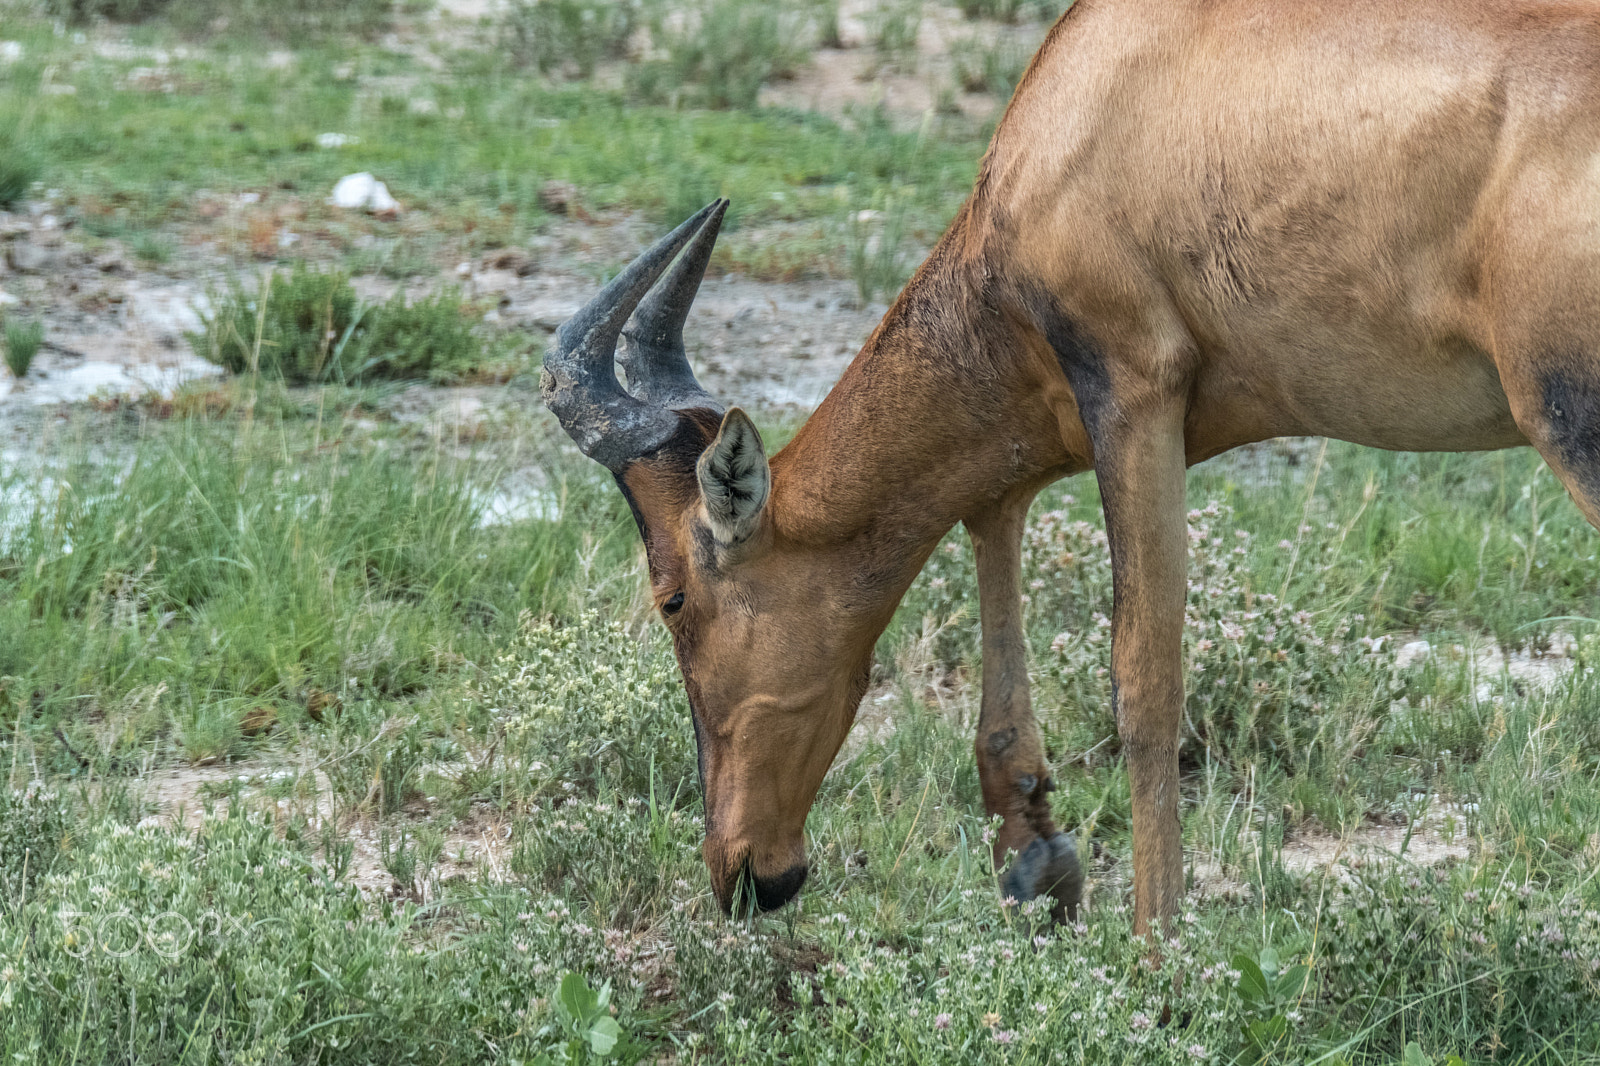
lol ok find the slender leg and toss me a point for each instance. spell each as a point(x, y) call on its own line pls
point(1139, 461)
point(1011, 765)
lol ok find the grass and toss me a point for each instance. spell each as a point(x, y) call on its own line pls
point(308, 326)
point(354, 588)
point(719, 53)
point(473, 164)
point(437, 766)
point(20, 167)
point(295, 21)
point(22, 339)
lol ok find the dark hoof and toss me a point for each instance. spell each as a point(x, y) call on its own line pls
point(1047, 868)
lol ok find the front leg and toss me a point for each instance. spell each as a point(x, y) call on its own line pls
point(1139, 462)
point(1010, 751)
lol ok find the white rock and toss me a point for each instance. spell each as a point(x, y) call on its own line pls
point(363, 190)
point(1411, 654)
point(10, 51)
point(336, 140)
point(30, 258)
point(381, 203)
point(353, 190)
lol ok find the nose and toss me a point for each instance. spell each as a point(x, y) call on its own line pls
point(735, 886)
point(773, 892)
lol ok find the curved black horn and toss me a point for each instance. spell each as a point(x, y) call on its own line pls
point(580, 381)
point(652, 350)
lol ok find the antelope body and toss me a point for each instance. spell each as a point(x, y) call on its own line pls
point(1201, 223)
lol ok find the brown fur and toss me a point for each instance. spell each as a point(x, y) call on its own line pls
point(1201, 223)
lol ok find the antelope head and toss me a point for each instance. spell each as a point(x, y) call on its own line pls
point(773, 678)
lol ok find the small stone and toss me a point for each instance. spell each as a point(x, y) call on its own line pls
point(519, 263)
point(558, 197)
point(364, 190)
point(1411, 654)
point(29, 258)
point(110, 263)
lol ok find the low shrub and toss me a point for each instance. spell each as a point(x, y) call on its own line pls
point(595, 707)
point(115, 10)
point(994, 67)
point(718, 53)
point(287, 19)
point(237, 943)
point(997, 10)
point(1510, 970)
point(895, 26)
point(616, 855)
point(1261, 675)
point(313, 328)
point(33, 830)
point(567, 36)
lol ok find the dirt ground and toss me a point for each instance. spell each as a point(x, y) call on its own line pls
point(115, 330)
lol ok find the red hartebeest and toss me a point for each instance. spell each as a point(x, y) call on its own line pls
point(1201, 223)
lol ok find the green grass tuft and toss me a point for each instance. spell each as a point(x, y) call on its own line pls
point(308, 326)
point(23, 339)
point(20, 167)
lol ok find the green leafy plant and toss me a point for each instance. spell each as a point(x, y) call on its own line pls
point(1415, 1056)
point(1270, 993)
point(585, 1026)
point(23, 339)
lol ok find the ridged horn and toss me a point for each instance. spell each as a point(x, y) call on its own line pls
point(580, 384)
point(652, 350)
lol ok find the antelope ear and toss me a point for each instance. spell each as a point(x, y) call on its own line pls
point(734, 479)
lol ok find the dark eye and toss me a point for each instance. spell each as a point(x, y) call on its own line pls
point(674, 605)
